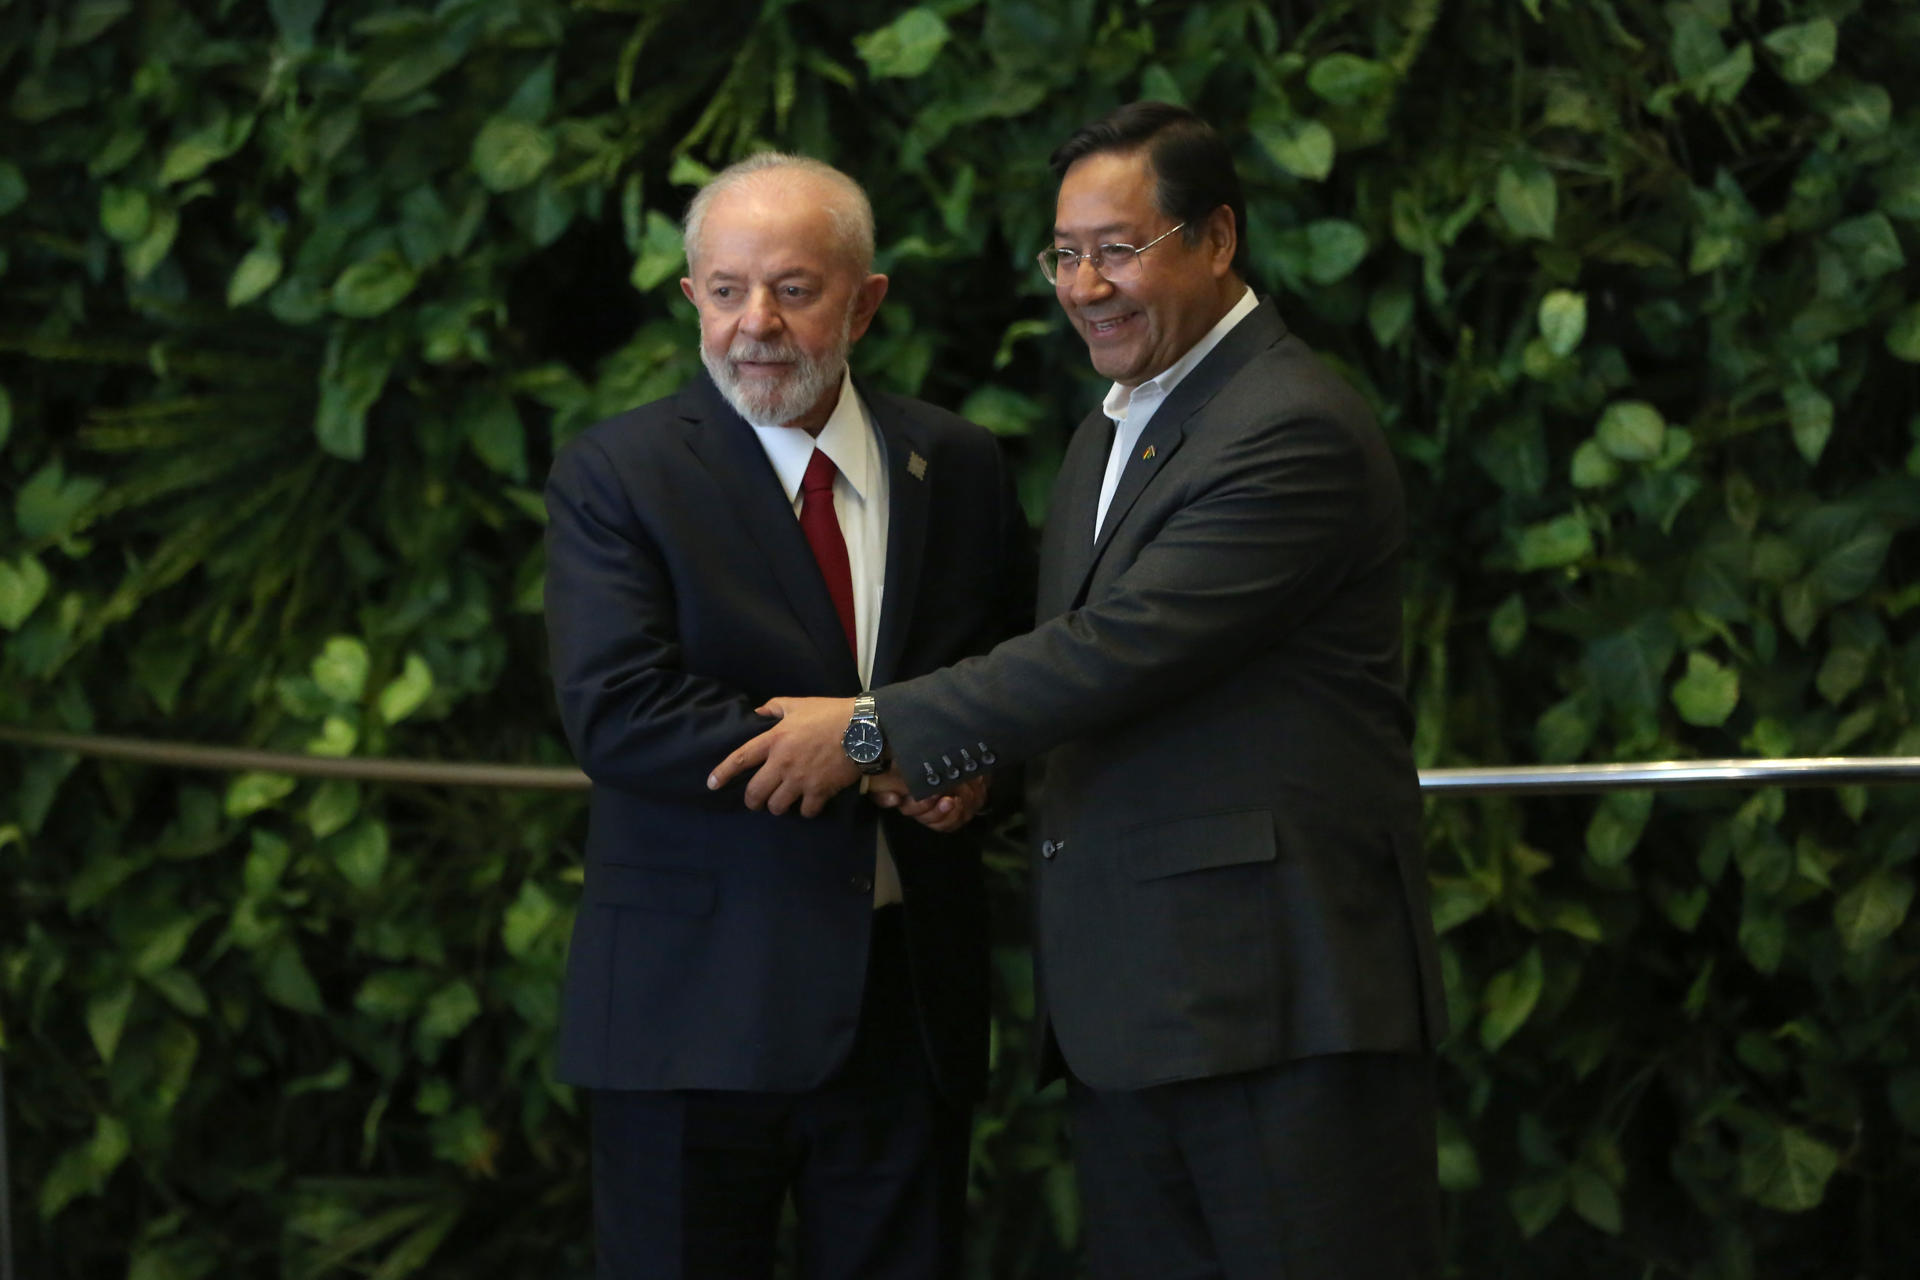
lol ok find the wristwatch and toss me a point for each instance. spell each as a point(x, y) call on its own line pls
point(863, 742)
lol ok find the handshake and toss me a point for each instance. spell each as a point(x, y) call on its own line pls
point(801, 762)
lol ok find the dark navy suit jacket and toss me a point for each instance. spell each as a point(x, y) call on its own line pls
point(717, 947)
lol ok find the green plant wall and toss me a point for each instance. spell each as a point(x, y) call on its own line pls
point(297, 298)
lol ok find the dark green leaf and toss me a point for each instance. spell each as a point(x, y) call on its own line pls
point(509, 154)
point(1805, 49)
point(1346, 79)
point(1527, 199)
point(1786, 1169)
point(1871, 911)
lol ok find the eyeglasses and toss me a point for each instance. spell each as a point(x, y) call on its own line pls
point(1115, 263)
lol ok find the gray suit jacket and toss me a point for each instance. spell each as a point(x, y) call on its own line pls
point(1229, 872)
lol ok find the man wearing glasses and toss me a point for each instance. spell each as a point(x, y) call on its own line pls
point(1235, 952)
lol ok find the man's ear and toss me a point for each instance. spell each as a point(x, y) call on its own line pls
point(1222, 237)
point(866, 301)
point(686, 287)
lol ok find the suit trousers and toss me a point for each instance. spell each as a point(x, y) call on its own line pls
point(690, 1184)
point(1321, 1168)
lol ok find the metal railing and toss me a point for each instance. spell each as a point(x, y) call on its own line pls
point(1561, 779)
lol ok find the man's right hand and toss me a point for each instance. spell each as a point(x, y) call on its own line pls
point(943, 813)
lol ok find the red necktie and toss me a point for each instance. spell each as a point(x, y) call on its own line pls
point(822, 527)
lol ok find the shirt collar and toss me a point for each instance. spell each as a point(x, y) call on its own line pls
point(846, 439)
point(1161, 385)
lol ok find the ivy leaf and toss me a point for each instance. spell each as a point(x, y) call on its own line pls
point(1707, 694)
point(1304, 148)
point(337, 738)
point(1551, 544)
point(256, 273)
point(341, 669)
point(1810, 414)
point(905, 47)
point(449, 1010)
point(253, 791)
point(526, 919)
point(1786, 1169)
point(125, 213)
point(1334, 248)
point(509, 154)
point(1871, 911)
point(23, 585)
point(1632, 431)
point(1592, 466)
point(373, 286)
point(1510, 998)
point(406, 691)
point(1347, 79)
point(1563, 320)
point(1861, 111)
point(332, 806)
point(359, 852)
point(1805, 49)
point(1528, 201)
point(50, 502)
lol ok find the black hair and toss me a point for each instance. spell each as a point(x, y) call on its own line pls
point(1192, 168)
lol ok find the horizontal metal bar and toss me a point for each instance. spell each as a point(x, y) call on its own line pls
point(1539, 779)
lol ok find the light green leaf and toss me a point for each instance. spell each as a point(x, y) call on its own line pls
point(1616, 826)
point(1527, 199)
point(1563, 320)
point(1632, 431)
point(332, 806)
point(449, 1010)
point(1869, 244)
point(1459, 1163)
point(341, 668)
point(1903, 335)
point(1507, 625)
point(406, 691)
point(337, 738)
point(251, 792)
point(1535, 1205)
point(1346, 79)
point(125, 213)
point(1002, 410)
point(495, 431)
point(84, 1169)
point(256, 273)
point(660, 252)
point(1811, 415)
point(1805, 49)
point(360, 852)
point(509, 154)
point(1595, 1200)
point(23, 585)
point(50, 502)
point(1564, 540)
point(107, 1012)
point(1871, 911)
point(1786, 1169)
point(1707, 694)
point(392, 994)
point(1861, 111)
point(1510, 998)
point(1724, 81)
point(1592, 466)
point(181, 990)
point(1456, 900)
point(905, 47)
point(527, 919)
point(1304, 148)
point(352, 377)
point(1389, 312)
point(373, 286)
point(1334, 248)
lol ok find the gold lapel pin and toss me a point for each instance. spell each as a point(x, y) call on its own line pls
point(1148, 455)
point(916, 466)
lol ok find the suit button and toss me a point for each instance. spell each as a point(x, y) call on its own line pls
point(933, 775)
point(860, 884)
point(953, 770)
point(1050, 847)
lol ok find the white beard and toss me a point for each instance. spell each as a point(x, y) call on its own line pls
point(780, 401)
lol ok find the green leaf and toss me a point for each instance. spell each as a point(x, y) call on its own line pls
point(359, 852)
point(905, 47)
point(1334, 248)
point(213, 141)
point(337, 738)
point(1457, 900)
point(256, 273)
point(1763, 937)
point(509, 154)
point(391, 995)
point(1389, 312)
point(1903, 335)
point(1535, 1205)
point(1873, 910)
point(107, 1012)
point(332, 806)
point(1592, 466)
point(1632, 431)
point(352, 377)
point(1707, 694)
point(449, 1010)
point(341, 668)
point(1811, 415)
point(1861, 111)
point(1524, 193)
point(1786, 1169)
point(1869, 244)
point(84, 1170)
point(251, 792)
point(1595, 1200)
point(296, 20)
point(1564, 540)
point(181, 990)
point(1507, 625)
point(1510, 998)
point(660, 254)
point(1459, 1164)
point(1722, 82)
point(374, 286)
point(285, 979)
point(1563, 320)
point(527, 919)
point(13, 187)
point(6, 416)
point(23, 585)
point(1346, 79)
point(496, 433)
point(1002, 410)
point(1304, 148)
point(1805, 49)
point(125, 213)
point(407, 691)
point(1616, 826)
point(50, 502)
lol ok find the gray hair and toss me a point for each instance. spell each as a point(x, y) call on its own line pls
point(851, 215)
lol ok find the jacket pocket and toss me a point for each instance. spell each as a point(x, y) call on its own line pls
point(1198, 843)
point(668, 890)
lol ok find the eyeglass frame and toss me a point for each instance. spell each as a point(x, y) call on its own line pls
point(1055, 275)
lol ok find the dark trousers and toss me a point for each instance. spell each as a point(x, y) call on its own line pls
point(690, 1184)
point(1317, 1169)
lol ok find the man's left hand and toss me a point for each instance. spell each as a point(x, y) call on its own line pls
point(798, 761)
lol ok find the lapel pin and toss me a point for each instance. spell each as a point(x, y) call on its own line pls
point(916, 466)
point(1148, 455)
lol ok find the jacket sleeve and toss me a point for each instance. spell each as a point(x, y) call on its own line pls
point(1262, 539)
point(634, 716)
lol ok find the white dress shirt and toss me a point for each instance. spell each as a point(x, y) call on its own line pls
point(1131, 408)
point(850, 439)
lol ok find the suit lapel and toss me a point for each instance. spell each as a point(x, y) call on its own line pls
point(731, 452)
point(1066, 549)
point(1168, 428)
point(907, 498)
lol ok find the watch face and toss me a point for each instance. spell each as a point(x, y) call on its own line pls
point(863, 742)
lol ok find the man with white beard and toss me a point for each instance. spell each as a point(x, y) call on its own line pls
point(764, 1008)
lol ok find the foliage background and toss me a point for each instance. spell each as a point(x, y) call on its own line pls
point(298, 297)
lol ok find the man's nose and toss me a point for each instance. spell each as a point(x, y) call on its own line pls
point(762, 315)
point(1086, 285)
